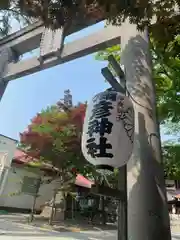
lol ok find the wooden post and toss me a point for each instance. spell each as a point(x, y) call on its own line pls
point(52, 207)
point(37, 186)
point(122, 205)
point(32, 209)
point(119, 86)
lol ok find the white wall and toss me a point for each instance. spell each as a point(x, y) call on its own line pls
point(7, 150)
point(13, 185)
point(7, 145)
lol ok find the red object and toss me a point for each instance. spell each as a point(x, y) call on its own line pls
point(21, 157)
point(74, 170)
point(83, 182)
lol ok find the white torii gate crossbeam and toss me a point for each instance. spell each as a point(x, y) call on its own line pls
point(29, 38)
point(87, 45)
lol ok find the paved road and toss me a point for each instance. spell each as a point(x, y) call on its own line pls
point(10, 230)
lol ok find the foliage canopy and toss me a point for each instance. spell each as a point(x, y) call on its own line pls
point(166, 72)
point(171, 156)
point(57, 13)
point(54, 137)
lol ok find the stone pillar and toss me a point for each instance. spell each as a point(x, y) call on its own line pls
point(148, 217)
point(6, 56)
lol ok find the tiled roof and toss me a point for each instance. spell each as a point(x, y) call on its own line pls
point(22, 158)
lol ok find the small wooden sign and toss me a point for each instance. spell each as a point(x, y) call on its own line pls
point(30, 186)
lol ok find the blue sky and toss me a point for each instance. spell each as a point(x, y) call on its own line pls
point(28, 95)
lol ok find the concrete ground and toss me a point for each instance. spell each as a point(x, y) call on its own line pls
point(14, 228)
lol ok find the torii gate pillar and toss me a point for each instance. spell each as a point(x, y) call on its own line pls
point(6, 56)
point(147, 206)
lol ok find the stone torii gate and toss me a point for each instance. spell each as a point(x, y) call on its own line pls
point(147, 208)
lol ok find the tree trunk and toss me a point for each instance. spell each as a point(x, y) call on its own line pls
point(31, 217)
point(147, 202)
point(52, 208)
point(60, 206)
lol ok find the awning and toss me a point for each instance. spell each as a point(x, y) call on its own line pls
point(83, 182)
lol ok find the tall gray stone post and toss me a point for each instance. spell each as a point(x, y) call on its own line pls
point(6, 56)
point(148, 217)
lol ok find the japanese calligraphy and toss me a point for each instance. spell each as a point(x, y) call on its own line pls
point(99, 123)
point(101, 126)
point(106, 96)
point(101, 109)
point(127, 118)
point(120, 107)
point(99, 150)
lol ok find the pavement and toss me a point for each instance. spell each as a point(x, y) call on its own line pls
point(14, 227)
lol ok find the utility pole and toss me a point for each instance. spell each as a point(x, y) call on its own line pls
point(148, 217)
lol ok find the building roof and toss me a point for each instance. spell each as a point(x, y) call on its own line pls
point(16, 141)
point(83, 182)
point(21, 157)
